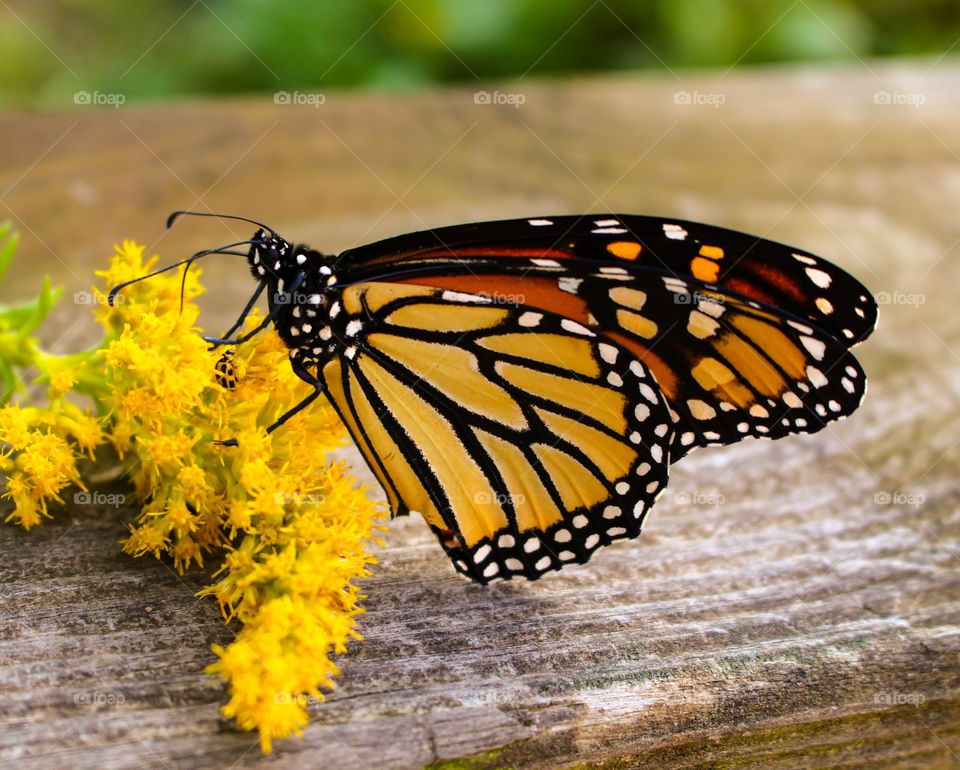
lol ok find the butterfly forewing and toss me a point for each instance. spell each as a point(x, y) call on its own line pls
point(753, 268)
point(728, 368)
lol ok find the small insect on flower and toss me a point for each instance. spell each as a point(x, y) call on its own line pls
point(529, 433)
point(225, 372)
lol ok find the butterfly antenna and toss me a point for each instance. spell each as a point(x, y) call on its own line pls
point(189, 263)
point(184, 212)
point(189, 260)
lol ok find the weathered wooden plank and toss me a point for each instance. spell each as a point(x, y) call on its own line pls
point(778, 611)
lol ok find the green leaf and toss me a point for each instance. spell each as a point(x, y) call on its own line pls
point(46, 301)
point(23, 319)
point(8, 382)
point(8, 246)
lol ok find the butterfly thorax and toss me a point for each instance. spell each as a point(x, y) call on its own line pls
point(301, 286)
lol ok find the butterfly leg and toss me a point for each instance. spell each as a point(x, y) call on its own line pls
point(216, 342)
point(301, 372)
point(246, 311)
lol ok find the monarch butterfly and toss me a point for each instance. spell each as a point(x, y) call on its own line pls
point(526, 384)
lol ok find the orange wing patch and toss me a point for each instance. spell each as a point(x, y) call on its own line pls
point(629, 250)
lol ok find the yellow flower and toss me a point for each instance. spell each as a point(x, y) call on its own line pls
point(84, 429)
point(16, 424)
point(44, 465)
point(292, 528)
point(61, 381)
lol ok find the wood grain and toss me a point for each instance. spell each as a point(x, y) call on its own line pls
point(790, 604)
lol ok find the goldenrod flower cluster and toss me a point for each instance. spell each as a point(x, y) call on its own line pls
point(291, 527)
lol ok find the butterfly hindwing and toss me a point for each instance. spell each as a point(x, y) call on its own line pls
point(525, 439)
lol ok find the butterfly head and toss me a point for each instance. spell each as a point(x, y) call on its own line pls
point(298, 281)
point(283, 265)
point(271, 257)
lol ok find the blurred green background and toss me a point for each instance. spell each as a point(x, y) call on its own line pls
point(153, 49)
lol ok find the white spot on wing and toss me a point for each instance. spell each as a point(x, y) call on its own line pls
point(711, 308)
point(569, 284)
point(608, 352)
point(814, 346)
point(573, 326)
point(616, 531)
point(459, 296)
point(648, 393)
point(819, 277)
point(530, 319)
